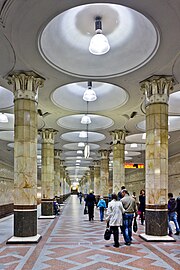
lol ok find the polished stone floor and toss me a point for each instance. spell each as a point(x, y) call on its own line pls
point(70, 241)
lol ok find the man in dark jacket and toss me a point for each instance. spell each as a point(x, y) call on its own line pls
point(178, 209)
point(172, 216)
point(90, 201)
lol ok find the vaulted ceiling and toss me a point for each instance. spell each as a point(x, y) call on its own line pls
point(51, 38)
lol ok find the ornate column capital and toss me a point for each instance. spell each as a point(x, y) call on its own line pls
point(91, 168)
point(104, 153)
point(96, 163)
point(118, 136)
point(157, 88)
point(48, 135)
point(57, 153)
point(26, 85)
point(61, 162)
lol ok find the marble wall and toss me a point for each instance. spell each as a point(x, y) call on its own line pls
point(6, 184)
point(135, 180)
point(174, 175)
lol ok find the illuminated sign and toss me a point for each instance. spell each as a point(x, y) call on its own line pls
point(133, 166)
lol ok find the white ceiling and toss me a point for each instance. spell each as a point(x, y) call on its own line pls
point(52, 40)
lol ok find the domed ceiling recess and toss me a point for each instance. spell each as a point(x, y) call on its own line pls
point(70, 97)
point(133, 40)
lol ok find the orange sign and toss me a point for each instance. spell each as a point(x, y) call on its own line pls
point(133, 166)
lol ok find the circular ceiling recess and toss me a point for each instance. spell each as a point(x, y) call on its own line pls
point(70, 97)
point(133, 39)
point(74, 122)
point(74, 137)
point(7, 98)
point(173, 124)
point(75, 146)
point(174, 101)
point(7, 135)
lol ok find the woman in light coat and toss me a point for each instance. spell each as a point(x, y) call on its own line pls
point(114, 217)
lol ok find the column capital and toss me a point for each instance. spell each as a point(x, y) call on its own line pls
point(118, 136)
point(61, 162)
point(96, 163)
point(156, 88)
point(57, 153)
point(104, 153)
point(48, 134)
point(26, 85)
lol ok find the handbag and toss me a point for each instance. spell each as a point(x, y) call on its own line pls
point(107, 234)
point(135, 227)
point(85, 210)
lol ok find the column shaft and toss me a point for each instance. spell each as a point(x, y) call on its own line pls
point(97, 190)
point(47, 172)
point(104, 172)
point(25, 153)
point(156, 91)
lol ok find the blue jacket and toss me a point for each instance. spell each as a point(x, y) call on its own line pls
point(101, 203)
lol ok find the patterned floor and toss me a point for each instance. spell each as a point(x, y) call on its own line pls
point(72, 242)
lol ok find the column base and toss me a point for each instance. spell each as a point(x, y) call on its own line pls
point(153, 238)
point(24, 240)
point(47, 217)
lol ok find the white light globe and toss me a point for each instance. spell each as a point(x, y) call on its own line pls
point(99, 44)
point(89, 95)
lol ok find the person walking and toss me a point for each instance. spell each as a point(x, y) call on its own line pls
point(178, 209)
point(142, 205)
point(120, 193)
point(172, 216)
point(129, 204)
point(101, 205)
point(90, 201)
point(114, 217)
point(80, 197)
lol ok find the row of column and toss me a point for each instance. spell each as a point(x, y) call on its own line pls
point(26, 88)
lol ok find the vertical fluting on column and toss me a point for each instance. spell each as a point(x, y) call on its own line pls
point(57, 185)
point(97, 186)
point(47, 171)
point(104, 172)
point(156, 91)
point(25, 88)
point(118, 137)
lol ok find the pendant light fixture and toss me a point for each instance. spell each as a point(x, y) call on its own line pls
point(87, 147)
point(99, 44)
point(86, 118)
point(89, 94)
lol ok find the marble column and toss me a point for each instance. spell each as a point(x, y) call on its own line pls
point(104, 172)
point(118, 137)
point(97, 190)
point(47, 172)
point(156, 91)
point(57, 182)
point(61, 180)
point(64, 180)
point(25, 87)
point(91, 177)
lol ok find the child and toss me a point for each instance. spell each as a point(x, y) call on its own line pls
point(101, 205)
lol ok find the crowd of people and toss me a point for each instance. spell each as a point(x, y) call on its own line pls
point(122, 208)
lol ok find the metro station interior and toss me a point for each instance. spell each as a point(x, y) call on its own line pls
point(89, 100)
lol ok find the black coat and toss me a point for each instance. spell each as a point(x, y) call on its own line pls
point(90, 200)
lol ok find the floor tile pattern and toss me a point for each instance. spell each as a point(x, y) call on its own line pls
point(70, 241)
